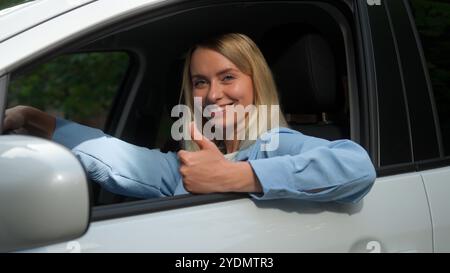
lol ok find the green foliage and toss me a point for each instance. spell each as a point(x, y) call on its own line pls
point(9, 3)
point(433, 23)
point(78, 87)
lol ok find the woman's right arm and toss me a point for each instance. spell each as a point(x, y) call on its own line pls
point(120, 167)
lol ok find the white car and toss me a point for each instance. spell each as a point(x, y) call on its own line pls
point(366, 64)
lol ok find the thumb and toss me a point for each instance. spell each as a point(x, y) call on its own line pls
point(201, 140)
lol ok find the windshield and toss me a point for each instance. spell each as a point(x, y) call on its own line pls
point(9, 3)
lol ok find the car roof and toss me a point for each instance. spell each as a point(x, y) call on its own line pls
point(21, 17)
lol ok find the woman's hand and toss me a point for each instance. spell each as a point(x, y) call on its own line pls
point(28, 120)
point(14, 120)
point(208, 171)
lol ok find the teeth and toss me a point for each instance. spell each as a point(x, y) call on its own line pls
point(229, 104)
point(217, 109)
point(222, 108)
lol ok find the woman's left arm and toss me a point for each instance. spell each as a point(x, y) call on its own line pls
point(315, 169)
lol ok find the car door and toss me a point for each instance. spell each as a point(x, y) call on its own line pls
point(434, 167)
point(436, 183)
point(393, 217)
point(244, 225)
point(423, 71)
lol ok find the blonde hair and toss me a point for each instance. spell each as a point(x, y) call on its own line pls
point(245, 54)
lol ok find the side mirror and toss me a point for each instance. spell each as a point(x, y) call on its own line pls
point(44, 194)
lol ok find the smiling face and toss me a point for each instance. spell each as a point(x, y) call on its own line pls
point(219, 82)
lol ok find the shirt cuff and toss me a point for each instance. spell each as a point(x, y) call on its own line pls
point(270, 181)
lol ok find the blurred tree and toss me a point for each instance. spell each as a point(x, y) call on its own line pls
point(9, 3)
point(80, 87)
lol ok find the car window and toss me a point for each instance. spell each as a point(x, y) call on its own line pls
point(68, 87)
point(433, 24)
point(394, 132)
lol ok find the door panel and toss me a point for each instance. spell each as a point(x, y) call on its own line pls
point(437, 184)
point(393, 217)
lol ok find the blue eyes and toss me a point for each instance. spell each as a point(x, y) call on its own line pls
point(200, 83)
point(227, 78)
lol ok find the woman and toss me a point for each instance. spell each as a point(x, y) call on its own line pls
point(223, 71)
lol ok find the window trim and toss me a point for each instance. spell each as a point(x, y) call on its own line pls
point(402, 79)
point(396, 169)
point(4, 83)
point(134, 208)
point(368, 80)
point(433, 163)
point(417, 166)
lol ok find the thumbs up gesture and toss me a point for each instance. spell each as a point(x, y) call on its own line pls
point(202, 171)
point(207, 170)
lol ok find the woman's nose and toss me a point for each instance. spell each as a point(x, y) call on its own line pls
point(215, 93)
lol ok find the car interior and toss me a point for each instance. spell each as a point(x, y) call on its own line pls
point(302, 43)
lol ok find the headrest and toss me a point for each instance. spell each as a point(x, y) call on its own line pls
point(305, 74)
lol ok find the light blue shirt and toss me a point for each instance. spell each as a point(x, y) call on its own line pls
point(302, 167)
